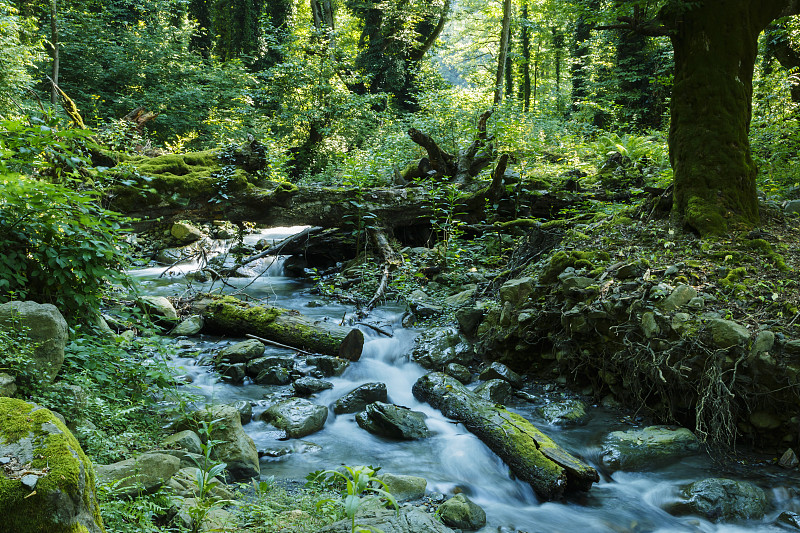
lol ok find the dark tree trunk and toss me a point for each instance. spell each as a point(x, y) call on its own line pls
point(526, 60)
point(639, 99)
point(54, 51)
point(580, 57)
point(503, 53)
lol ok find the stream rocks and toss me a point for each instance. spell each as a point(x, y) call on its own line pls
point(462, 513)
point(393, 421)
point(357, 399)
point(298, 417)
point(722, 499)
point(146, 473)
point(407, 520)
point(44, 326)
point(404, 487)
point(435, 348)
point(647, 447)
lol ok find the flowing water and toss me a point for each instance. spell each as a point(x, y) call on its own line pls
point(452, 458)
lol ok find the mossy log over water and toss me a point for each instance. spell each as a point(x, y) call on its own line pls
point(532, 456)
point(232, 316)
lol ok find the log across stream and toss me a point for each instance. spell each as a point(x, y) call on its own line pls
point(452, 459)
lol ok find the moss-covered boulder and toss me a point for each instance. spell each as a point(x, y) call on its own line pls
point(722, 499)
point(47, 483)
point(146, 473)
point(648, 447)
point(462, 513)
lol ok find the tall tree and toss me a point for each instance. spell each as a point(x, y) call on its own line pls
point(54, 51)
point(580, 53)
point(525, 37)
point(505, 33)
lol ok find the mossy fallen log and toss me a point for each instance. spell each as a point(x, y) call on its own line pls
point(532, 456)
point(229, 315)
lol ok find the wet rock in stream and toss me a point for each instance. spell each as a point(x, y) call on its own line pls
point(565, 413)
point(357, 399)
point(393, 421)
point(298, 417)
point(306, 386)
point(647, 447)
point(722, 499)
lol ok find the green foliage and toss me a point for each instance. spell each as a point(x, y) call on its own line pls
point(19, 50)
point(146, 513)
point(16, 359)
point(273, 508)
point(207, 470)
point(360, 486)
point(446, 205)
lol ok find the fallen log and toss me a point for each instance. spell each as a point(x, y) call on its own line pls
point(532, 456)
point(229, 315)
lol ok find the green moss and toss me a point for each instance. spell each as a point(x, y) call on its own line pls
point(25, 511)
point(576, 259)
point(733, 279)
point(229, 309)
point(765, 248)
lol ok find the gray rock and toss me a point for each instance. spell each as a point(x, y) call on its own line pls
point(66, 500)
point(189, 326)
point(460, 299)
point(408, 520)
point(792, 206)
point(357, 399)
point(649, 326)
point(792, 347)
point(495, 390)
point(44, 326)
point(790, 519)
point(435, 348)
point(306, 386)
point(185, 233)
point(30, 481)
point(648, 447)
point(257, 366)
point(242, 352)
point(763, 342)
point(276, 375)
point(697, 303)
point(500, 371)
point(393, 421)
point(788, 459)
point(566, 413)
point(727, 333)
point(236, 448)
point(232, 373)
point(460, 372)
point(8, 387)
point(328, 365)
point(631, 270)
point(680, 296)
point(681, 323)
point(146, 473)
point(245, 409)
point(296, 416)
point(186, 439)
point(516, 291)
point(159, 307)
point(469, 318)
point(462, 513)
point(404, 487)
point(722, 499)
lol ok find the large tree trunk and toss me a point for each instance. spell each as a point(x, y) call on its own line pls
point(530, 454)
point(715, 45)
point(505, 33)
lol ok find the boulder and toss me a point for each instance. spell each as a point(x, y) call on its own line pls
point(187, 440)
point(189, 326)
point(460, 372)
point(436, 348)
point(727, 333)
point(357, 399)
point(500, 371)
point(296, 416)
point(763, 342)
point(146, 473)
point(245, 409)
point(8, 386)
point(462, 513)
point(469, 318)
point(393, 421)
point(59, 493)
point(680, 296)
point(404, 487)
point(306, 386)
point(276, 375)
point(792, 207)
point(647, 447)
point(516, 291)
point(159, 307)
point(329, 365)
point(44, 326)
point(722, 499)
point(407, 520)
point(566, 413)
point(185, 233)
point(235, 447)
point(495, 390)
point(241, 352)
point(460, 299)
point(257, 366)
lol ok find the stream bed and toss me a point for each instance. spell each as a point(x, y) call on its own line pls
point(452, 459)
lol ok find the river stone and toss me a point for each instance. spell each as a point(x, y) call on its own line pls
point(680, 296)
point(65, 498)
point(722, 499)
point(256, 366)
point(727, 333)
point(500, 371)
point(763, 342)
point(393, 421)
point(435, 348)
point(189, 326)
point(44, 326)
point(232, 373)
point(460, 299)
point(184, 484)
point(296, 416)
point(648, 447)
point(159, 307)
point(790, 519)
point(516, 291)
point(469, 318)
point(186, 439)
point(306, 386)
point(495, 390)
point(276, 375)
point(245, 409)
point(235, 448)
point(185, 233)
point(242, 352)
point(566, 413)
point(146, 473)
point(462, 513)
point(460, 372)
point(404, 487)
point(328, 365)
point(649, 326)
point(788, 459)
point(407, 520)
point(357, 399)
point(8, 387)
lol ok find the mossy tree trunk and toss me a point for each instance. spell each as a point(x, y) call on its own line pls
point(716, 45)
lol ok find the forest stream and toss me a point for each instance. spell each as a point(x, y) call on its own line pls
point(452, 460)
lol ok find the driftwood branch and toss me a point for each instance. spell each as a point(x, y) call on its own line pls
point(275, 249)
point(390, 261)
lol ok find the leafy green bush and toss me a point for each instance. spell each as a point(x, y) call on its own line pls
point(16, 360)
point(59, 246)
